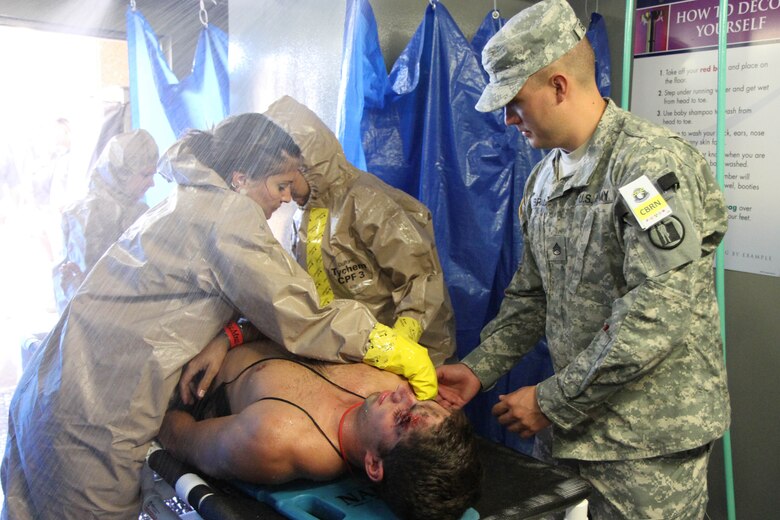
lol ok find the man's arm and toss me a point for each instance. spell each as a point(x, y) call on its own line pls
point(209, 360)
point(225, 447)
point(519, 324)
point(251, 446)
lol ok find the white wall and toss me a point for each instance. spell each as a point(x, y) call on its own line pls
point(293, 50)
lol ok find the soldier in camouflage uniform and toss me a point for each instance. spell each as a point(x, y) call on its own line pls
point(621, 221)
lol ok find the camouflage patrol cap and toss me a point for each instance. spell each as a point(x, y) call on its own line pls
point(530, 40)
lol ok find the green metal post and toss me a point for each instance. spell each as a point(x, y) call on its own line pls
point(628, 52)
point(720, 163)
point(720, 148)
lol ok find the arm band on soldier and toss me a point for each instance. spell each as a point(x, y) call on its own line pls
point(234, 334)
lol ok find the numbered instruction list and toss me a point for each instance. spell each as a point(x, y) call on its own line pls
point(679, 90)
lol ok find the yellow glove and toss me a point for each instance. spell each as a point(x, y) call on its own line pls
point(395, 353)
point(409, 327)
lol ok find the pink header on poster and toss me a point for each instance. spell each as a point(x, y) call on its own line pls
point(694, 24)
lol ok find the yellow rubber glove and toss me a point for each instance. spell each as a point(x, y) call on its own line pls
point(409, 327)
point(396, 353)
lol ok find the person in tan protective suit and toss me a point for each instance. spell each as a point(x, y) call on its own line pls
point(378, 245)
point(123, 173)
point(94, 395)
point(358, 238)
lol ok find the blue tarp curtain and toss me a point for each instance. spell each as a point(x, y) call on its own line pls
point(597, 36)
point(425, 137)
point(363, 78)
point(165, 106)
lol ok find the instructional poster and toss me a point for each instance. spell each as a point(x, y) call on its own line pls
point(675, 84)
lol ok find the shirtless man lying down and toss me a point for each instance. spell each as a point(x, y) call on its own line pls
point(271, 418)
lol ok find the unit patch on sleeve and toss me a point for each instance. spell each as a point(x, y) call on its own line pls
point(667, 234)
point(669, 243)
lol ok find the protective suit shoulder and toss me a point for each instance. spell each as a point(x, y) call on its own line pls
point(179, 165)
point(416, 210)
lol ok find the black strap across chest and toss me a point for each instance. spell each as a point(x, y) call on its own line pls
point(286, 401)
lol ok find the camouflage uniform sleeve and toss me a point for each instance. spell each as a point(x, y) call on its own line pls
point(659, 311)
point(516, 328)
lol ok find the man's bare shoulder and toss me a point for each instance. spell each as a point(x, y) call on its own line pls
point(363, 379)
point(298, 450)
point(357, 377)
point(240, 358)
point(265, 347)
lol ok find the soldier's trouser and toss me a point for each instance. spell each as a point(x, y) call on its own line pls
point(671, 487)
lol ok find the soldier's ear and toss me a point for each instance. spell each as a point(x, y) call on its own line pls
point(561, 85)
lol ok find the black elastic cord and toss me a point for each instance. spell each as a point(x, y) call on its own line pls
point(301, 363)
point(311, 369)
point(338, 452)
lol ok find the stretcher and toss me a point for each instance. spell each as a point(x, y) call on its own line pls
point(516, 486)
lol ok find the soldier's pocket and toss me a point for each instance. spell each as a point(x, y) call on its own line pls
point(580, 241)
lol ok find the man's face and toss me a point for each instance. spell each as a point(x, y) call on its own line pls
point(531, 112)
point(390, 415)
point(300, 188)
point(139, 182)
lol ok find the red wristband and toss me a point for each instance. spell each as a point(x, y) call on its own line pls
point(234, 334)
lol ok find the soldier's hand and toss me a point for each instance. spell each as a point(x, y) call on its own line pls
point(519, 412)
point(457, 385)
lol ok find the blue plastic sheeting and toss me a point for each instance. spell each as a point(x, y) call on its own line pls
point(427, 139)
point(490, 25)
point(430, 142)
point(536, 365)
point(165, 106)
point(363, 78)
point(597, 36)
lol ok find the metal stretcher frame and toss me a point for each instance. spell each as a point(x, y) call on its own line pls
point(516, 486)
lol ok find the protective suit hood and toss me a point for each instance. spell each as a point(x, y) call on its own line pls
point(124, 155)
point(378, 245)
point(328, 173)
point(326, 165)
point(180, 165)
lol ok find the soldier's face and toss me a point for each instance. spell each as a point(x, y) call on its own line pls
point(530, 112)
